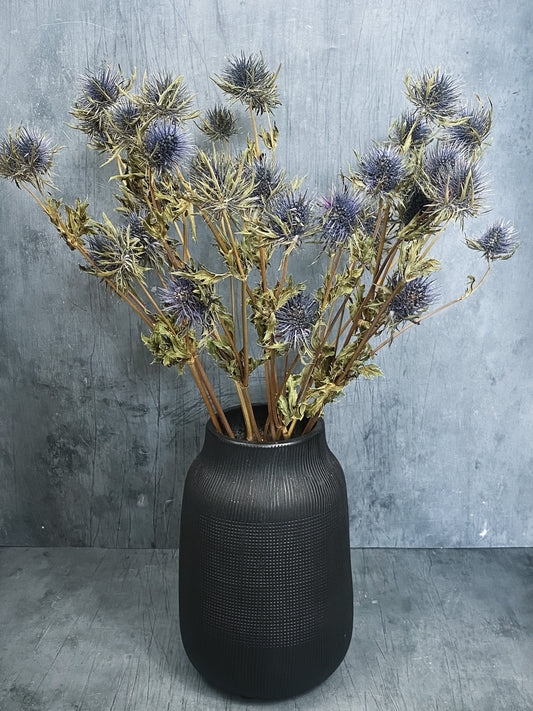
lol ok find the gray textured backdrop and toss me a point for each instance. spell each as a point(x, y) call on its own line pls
point(95, 442)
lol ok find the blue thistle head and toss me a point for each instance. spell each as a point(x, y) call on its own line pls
point(409, 128)
point(267, 180)
point(296, 318)
point(472, 127)
point(435, 94)
point(166, 97)
point(182, 300)
point(153, 251)
point(453, 185)
point(382, 169)
point(167, 145)
point(26, 157)
point(497, 242)
point(292, 219)
point(100, 89)
point(219, 124)
point(342, 210)
point(248, 79)
point(124, 116)
point(411, 302)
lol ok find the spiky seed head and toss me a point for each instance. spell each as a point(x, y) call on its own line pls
point(219, 124)
point(164, 96)
point(26, 156)
point(167, 145)
point(472, 127)
point(99, 89)
point(153, 251)
point(453, 183)
point(411, 302)
point(296, 318)
point(382, 169)
point(410, 129)
point(292, 219)
point(435, 94)
point(182, 301)
point(247, 79)
point(341, 215)
point(266, 178)
point(124, 116)
point(497, 242)
point(116, 255)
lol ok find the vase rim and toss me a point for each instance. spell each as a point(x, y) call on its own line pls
point(318, 429)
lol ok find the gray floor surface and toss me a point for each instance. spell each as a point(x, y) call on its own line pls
point(435, 630)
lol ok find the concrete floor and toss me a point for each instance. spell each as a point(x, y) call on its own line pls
point(97, 630)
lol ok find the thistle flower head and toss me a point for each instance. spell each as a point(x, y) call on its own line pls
point(435, 94)
point(219, 184)
point(182, 300)
point(267, 180)
point(410, 129)
point(166, 97)
point(291, 219)
point(116, 255)
point(167, 145)
point(153, 251)
point(100, 89)
point(342, 210)
point(411, 302)
point(219, 124)
point(382, 169)
point(497, 242)
point(124, 116)
point(26, 156)
point(248, 79)
point(453, 184)
point(296, 318)
point(472, 127)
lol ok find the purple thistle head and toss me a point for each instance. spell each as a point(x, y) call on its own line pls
point(382, 169)
point(473, 128)
point(435, 94)
point(153, 251)
point(167, 145)
point(342, 212)
point(292, 219)
point(497, 242)
point(410, 127)
point(248, 79)
point(182, 300)
point(296, 318)
point(411, 302)
point(454, 184)
point(26, 157)
point(124, 116)
point(219, 124)
point(266, 179)
point(166, 97)
point(100, 89)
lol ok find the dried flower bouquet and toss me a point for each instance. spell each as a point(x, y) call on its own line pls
point(375, 231)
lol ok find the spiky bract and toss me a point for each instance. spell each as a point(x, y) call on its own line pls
point(116, 255)
point(409, 130)
point(472, 128)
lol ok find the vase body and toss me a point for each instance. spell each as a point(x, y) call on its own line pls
point(265, 586)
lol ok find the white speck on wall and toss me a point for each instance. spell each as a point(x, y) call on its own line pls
point(484, 531)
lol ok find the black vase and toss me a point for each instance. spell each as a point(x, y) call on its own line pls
point(265, 585)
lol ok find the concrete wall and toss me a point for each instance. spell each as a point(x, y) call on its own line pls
point(95, 441)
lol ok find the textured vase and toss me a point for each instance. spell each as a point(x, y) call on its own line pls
point(265, 584)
